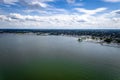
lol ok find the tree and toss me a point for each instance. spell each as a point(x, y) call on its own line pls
point(108, 40)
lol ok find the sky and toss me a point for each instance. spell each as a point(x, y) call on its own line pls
point(59, 14)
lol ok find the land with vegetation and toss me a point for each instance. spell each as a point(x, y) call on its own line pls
point(101, 35)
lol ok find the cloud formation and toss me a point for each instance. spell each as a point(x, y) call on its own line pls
point(29, 3)
point(112, 1)
point(71, 1)
point(58, 14)
point(91, 12)
point(108, 20)
point(9, 1)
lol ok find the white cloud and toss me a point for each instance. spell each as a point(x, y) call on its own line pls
point(51, 17)
point(29, 3)
point(112, 1)
point(37, 3)
point(70, 1)
point(43, 0)
point(47, 11)
point(10, 1)
point(85, 21)
point(74, 3)
point(90, 12)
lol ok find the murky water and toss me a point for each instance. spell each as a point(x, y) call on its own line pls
point(32, 57)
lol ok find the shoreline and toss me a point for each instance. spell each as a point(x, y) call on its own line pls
point(85, 38)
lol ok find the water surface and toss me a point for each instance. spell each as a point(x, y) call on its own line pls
point(32, 57)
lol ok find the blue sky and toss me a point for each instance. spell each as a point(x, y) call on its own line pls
point(60, 14)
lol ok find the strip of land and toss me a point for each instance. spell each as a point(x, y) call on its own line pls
point(101, 35)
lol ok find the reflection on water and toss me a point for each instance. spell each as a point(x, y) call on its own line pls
point(31, 57)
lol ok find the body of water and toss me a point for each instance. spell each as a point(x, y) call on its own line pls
point(32, 57)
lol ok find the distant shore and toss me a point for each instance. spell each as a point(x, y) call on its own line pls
point(104, 37)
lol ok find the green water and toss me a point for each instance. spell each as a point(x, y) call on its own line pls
point(31, 57)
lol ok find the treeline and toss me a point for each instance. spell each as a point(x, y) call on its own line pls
point(106, 35)
point(74, 32)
